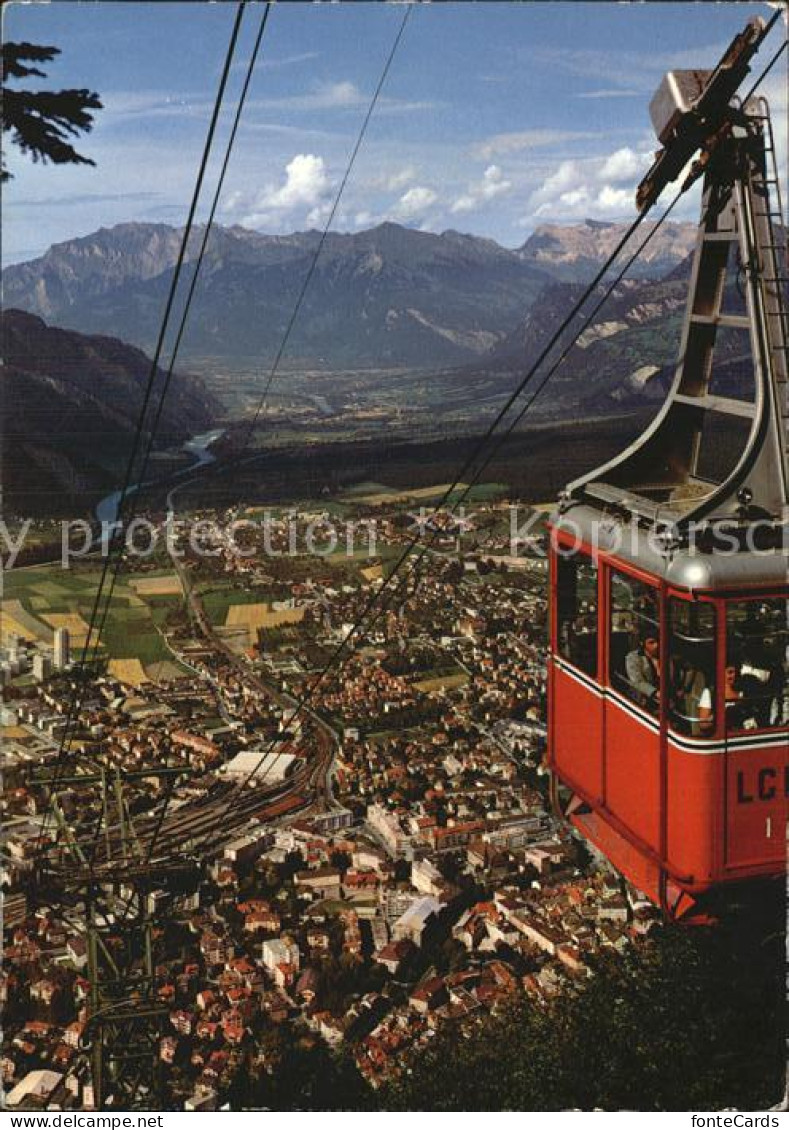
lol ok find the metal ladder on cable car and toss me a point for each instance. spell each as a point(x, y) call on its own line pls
point(657, 477)
point(775, 273)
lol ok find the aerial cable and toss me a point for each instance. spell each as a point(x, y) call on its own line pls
point(192, 288)
point(208, 226)
point(220, 468)
point(326, 670)
point(326, 228)
point(78, 696)
point(334, 660)
point(262, 402)
point(469, 463)
point(253, 58)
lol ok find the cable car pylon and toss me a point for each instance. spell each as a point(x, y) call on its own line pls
point(669, 648)
point(110, 879)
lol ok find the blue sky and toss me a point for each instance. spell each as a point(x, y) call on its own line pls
point(495, 117)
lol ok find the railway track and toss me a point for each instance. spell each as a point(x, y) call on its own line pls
point(206, 824)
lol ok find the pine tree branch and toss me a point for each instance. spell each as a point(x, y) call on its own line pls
point(41, 121)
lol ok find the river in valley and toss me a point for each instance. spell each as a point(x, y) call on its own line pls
point(198, 447)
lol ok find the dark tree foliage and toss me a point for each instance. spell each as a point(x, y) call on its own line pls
point(41, 121)
point(691, 1020)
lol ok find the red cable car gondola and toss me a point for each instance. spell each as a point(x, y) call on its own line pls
point(669, 645)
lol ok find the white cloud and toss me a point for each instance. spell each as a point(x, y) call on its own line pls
point(490, 186)
point(326, 96)
point(301, 195)
point(464, 204)
point(502, 143)
point(393, 182)
point(624, 165)
point(576, 196)
point(283, 61)
point(317, 216)
point(627, 71)
point(591, 95)
point(614, 199)
point(415, 202)
point(289, 60)
point(602, 188)
point(567, 175)
point(340, 94)
point(588, 202)
point(305, 183)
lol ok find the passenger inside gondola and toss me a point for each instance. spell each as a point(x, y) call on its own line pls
point(635, 641)
point(577, 611)
point(779, 711)
point(642, 669)
point(692, 667)
point(739, 716)
point(757, 669)
point(691, 699)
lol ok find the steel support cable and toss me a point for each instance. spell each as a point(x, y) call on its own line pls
point(327, 226)
point(305, 699)
point(182, 326)
point(193, 285)
point(304, 702)
point(262, 402)
point(78, 696)
point(235, 460)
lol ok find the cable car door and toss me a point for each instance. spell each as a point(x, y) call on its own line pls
point(756, 704)
point(632, 707)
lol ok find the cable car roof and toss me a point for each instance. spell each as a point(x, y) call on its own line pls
point(663, 478)
point(702, 567)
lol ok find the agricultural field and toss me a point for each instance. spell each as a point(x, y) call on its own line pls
point(442, 682)
point(219, 598)
point(129, 671)
point(167, 584)
point(254, 616)
point(376, 494)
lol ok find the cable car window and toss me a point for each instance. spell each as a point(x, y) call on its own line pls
point(576, 611)
point(692, 667)
point(635, 641)
point(756, 688)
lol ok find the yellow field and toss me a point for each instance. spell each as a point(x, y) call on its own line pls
point(164, 670)
point(157, 586)
point(421, 493)
point(129, 671)
point(254, 616)
point(10, 627)
point(9, 732)
point(78, 628)
point(373, 572)
point(443, 683)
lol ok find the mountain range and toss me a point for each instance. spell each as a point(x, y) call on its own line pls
point(575, 252)
point(463, 314)
point(386, 297)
